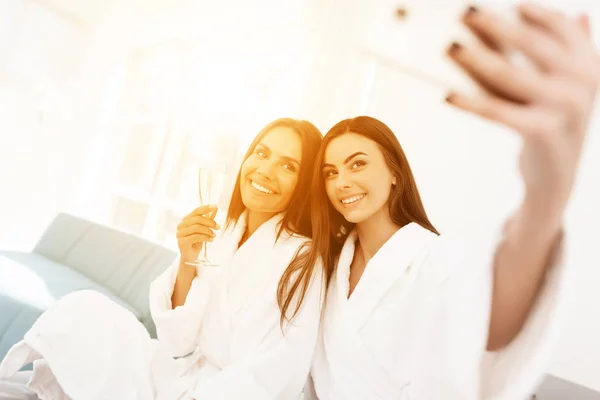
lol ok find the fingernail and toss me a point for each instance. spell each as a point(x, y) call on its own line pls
point(472, 10)
point(450, 98)
point(401, 12)
point(454, 48)
point(218, 226)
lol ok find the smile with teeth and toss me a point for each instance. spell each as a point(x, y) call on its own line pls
point(260, 188)
point(353, 199)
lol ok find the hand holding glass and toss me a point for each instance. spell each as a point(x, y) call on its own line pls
point(210, 186)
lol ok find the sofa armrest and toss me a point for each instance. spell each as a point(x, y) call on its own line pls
point(123, 263)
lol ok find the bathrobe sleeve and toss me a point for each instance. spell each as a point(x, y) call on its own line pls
point(178, 329)
point(280, 364)
point(515, 371)
point(455, 364)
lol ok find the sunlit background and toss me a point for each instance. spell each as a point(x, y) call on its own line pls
point(108, 108)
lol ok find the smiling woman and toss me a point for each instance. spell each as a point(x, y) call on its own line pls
point(227, 326)
point(367, 175)
point(271, 174)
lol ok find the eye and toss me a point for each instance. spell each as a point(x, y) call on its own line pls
point(261, 153)
point(358, 164)
point(328, 173)
point(289, 167)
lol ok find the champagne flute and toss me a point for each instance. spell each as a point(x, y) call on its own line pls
point(210, 186)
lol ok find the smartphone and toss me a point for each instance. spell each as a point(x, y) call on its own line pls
point(412, 36)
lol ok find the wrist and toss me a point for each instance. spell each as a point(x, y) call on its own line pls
point(540, 221)
point(185, 268)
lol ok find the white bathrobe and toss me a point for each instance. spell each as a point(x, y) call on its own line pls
point(416, 325)
point(230, 324)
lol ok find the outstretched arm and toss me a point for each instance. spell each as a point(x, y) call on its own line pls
point(550, 107)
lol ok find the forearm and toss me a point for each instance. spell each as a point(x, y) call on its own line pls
point(520, 266)
point(185, 276)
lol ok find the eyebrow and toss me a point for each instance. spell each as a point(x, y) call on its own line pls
point(350, 157)
point(291, 159)
point(284, 157)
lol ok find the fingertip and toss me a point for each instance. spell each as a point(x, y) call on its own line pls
point(583, 21)
point(531, 11)
point(450, 98)
point(528, 7)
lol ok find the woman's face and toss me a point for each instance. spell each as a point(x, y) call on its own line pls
point(357, 178)
point(269, 175)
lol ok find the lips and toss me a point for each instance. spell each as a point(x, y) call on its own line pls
point(352, 199)
point(261, 187)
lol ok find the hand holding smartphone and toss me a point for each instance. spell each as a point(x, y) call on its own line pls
point(413, 36)
point(527, 67)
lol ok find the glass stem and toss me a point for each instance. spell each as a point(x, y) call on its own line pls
point(204, 250)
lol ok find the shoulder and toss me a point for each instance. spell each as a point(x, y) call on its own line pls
point(413, 242)
point(293, 245)
point(287, 246)
point(292, 240)
point(453, 255)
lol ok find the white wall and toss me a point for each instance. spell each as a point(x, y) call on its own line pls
point(39, 55)
point(54, 77)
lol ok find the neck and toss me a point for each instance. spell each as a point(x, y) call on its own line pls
point(255, 220)
point(374, 232)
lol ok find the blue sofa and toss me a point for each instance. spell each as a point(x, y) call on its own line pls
point(75, 254)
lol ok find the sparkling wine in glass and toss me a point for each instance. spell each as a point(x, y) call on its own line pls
point(210, 186)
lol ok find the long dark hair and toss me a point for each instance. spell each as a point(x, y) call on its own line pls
point(404, 202)
point(297, 217)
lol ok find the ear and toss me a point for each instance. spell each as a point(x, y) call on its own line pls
point(394, 181)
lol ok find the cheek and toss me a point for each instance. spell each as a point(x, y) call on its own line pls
point(287, 184)
point(247, 166)
point(381, 186)
point(330, 190)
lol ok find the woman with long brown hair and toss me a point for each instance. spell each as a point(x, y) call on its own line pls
point(412, 314)
point(244, 329)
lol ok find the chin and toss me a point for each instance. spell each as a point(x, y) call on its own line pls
point(254, 205)
point(246, 199)
point(258, 205)
point(355, 216)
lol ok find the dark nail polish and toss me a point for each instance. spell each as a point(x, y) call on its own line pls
point(454, 48)
point(471, 10)
point(401, 12)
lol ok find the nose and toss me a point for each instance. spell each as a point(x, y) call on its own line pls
point(343, 181)
point(266, 169)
